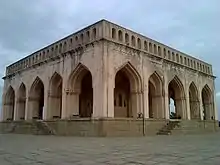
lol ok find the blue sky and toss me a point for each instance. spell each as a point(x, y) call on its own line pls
point(190, 26)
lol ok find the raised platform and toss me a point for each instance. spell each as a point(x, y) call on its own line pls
point(109, 127)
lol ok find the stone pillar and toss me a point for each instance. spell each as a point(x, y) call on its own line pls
point(214, 105)
point(16, 108)
point(27, 108)
point(201, 106)
point(64, 104)
point(140, 102)
point(2, 108)
point(166, 101)
point(45, 108)
point(99, 109)
point(146, 102)
point(188, 110)
point(110, 97)
point(100, 87)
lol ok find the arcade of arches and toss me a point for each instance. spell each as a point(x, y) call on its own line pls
point(128, 98)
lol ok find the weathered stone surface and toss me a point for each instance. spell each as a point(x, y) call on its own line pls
point(107, 71)
point(159, 150)
point(109, 127)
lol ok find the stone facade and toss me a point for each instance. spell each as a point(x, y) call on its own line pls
point(107, 71)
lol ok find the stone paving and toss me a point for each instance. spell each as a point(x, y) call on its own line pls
point(158, 150)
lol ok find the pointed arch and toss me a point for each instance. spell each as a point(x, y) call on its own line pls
point(156, 81)
point(37, 81)
point(207, 103)
point(193, 87)
point(155, 98)
point(128, 85)
point(80, 92)
point(177, 95)
point(21, 102)
point(194, 101)
point(177, 83)
point(134, 77)
point(76, 77)
point(55, 80)
point(55, 96)
point(9, 104)
point(36, 99)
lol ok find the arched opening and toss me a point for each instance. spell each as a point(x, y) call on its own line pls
point(82, 38)
point(126, 97)
point(207, 102)
point(80, 98)
point(120, 35)
point(122, 95)
point(155, 49)
point(36, 99)
point(176, 93)
point(139, 43)
point(55, 97)
point(127, 38)
point(155, 98)
point(113, 33)
point(150, 47)
point(94, 33)
point(86, 96)
point(9, 104)
point(194, 102)
point(145, 46)
point(172, 109)
point(133, 41)
point(88, 35)
point(21, 102)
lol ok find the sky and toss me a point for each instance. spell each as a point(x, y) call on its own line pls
point(189, 26)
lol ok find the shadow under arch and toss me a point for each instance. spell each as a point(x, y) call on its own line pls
point(80, 92)
point(55, 96)
point(194, 101)
point(9, 104)
point(128, 87)
point(21, 102)
point(155, 96)
point(36, 99)
point(177, 94)
point(207, 102)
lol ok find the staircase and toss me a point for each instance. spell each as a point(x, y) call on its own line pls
point(43, 128)
point(35, 127)
point(167, 129)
